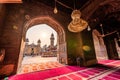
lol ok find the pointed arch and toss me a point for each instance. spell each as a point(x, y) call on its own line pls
point(43, 20)
point(100, 48)
point(61, 42)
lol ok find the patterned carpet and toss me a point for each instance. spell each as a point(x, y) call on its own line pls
point(109, 70)
point(105, 70)
point(39, 66)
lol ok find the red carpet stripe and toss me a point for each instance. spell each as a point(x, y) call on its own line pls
point(63, 78)
point(115, 75)
point(105, 61)
point(74, 77)
point(46, 74)
point(89, 73)
point(83, 74)
point(108, 78)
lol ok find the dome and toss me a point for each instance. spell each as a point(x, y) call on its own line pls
point(76, 14)
point(39, 41)
point(27, 40)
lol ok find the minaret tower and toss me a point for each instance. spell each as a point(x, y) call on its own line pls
point(39, 46)
point(39, 43)
point(26, 41)
point(52, 40)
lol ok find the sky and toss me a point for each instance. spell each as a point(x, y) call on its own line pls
point(42, 32)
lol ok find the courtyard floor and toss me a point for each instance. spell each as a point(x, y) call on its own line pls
point(38, 63)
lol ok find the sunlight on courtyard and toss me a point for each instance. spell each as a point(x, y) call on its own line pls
point(38, 63)
point(40, 52)
point(38, 59)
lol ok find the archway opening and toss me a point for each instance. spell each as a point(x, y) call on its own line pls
point(100, 48)
point(41, 40)
point(58, 47)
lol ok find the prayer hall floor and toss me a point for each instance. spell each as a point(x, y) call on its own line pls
point(105, 70)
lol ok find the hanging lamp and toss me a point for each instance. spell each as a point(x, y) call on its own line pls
point(77, 24)
point(55, 8)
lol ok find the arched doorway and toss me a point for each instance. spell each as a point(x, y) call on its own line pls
point(61, 44)
point(100, 48)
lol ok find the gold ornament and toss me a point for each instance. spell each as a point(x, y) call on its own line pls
point(77, 24)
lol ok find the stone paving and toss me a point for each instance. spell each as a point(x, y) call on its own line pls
point(38, 63)
point(38, 59)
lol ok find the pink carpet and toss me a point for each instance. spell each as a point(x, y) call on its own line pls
point(63, 78)
point(105, 61)
point(74, 77)
point(75, 72)
point(46, 74)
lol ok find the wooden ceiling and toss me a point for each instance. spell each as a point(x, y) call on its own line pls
point(77, 4)
point(106, 12)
